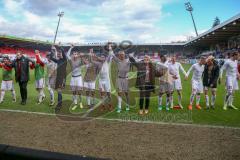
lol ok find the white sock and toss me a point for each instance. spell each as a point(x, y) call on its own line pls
point(13, 94)
point(198, 97)
point(119, 102)
point(192, 98)
point(227, 99)
point(231, 100)
point(39, 96)
point(213, 99)
point(159, 100)
point(42, 93)
point(2, 95)
point(179, 99)
point(171, 100)
point(168, 101)
point(80, 99)
point(92, 100)
point(88, 100)
point(207, 100)
point(74, 97)
point(51, 94)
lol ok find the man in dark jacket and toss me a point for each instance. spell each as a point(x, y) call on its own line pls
point(210, 79)
point(61, 62)
point(21, 65)
point(145, 81)
point(146, 73)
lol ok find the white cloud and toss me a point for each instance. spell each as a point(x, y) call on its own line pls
point(12, 5)
point(2, 20)
point(183, 37)
point(115, 20)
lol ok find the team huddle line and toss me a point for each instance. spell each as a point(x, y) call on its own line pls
point(206, 75)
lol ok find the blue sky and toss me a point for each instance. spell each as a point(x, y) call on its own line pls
point(141, 21)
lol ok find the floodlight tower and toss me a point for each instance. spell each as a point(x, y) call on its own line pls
point(189, 8)
point(60, 15)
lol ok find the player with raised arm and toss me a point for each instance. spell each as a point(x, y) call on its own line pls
point(76, 82)
point(92, 70)
point(123, 67)
point(61, 61)
point(232, 77)
point(51, 78)
point(197, 83)
point(38, 67)
point(174, 68)
point(104, 79)
point(7, 79)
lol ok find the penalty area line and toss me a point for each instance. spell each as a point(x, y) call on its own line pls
point(127, 121)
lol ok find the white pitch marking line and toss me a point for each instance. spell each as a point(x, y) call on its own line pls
point(128, 121)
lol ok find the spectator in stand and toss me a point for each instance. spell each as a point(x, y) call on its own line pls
point(21, 65)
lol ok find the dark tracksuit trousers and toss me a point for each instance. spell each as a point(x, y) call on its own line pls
point(145, 92)
point(23, 90)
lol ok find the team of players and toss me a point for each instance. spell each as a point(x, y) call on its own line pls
point(205, 76)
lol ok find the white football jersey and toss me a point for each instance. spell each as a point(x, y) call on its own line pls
point(51, 68)
point(105, 70)
point(231, 68)
point(197, 70)
point(174, 69)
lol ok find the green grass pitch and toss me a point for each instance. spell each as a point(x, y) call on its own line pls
point(209, 117)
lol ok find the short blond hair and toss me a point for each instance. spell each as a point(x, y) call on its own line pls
point(210, 58)
point(147, 56)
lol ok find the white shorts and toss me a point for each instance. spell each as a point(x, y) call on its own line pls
point(209, 88)
point(197, 86)
point(122, 84)
point(7, 85)
point(177, 84)
point(232, 84)
point(104, 85)
point(89, 85)
point(165, 87)
point(40, 83)
point(50, 81)
point(76, 83)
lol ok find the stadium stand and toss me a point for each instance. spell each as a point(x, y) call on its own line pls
point(10, 51)
point(218, 41)
point(10, 45)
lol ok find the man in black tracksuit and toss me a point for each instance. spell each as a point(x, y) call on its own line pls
point(21, 66)
point(210, 79)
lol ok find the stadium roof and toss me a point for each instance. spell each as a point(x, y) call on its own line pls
point(141, 44)
point(219, 33)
